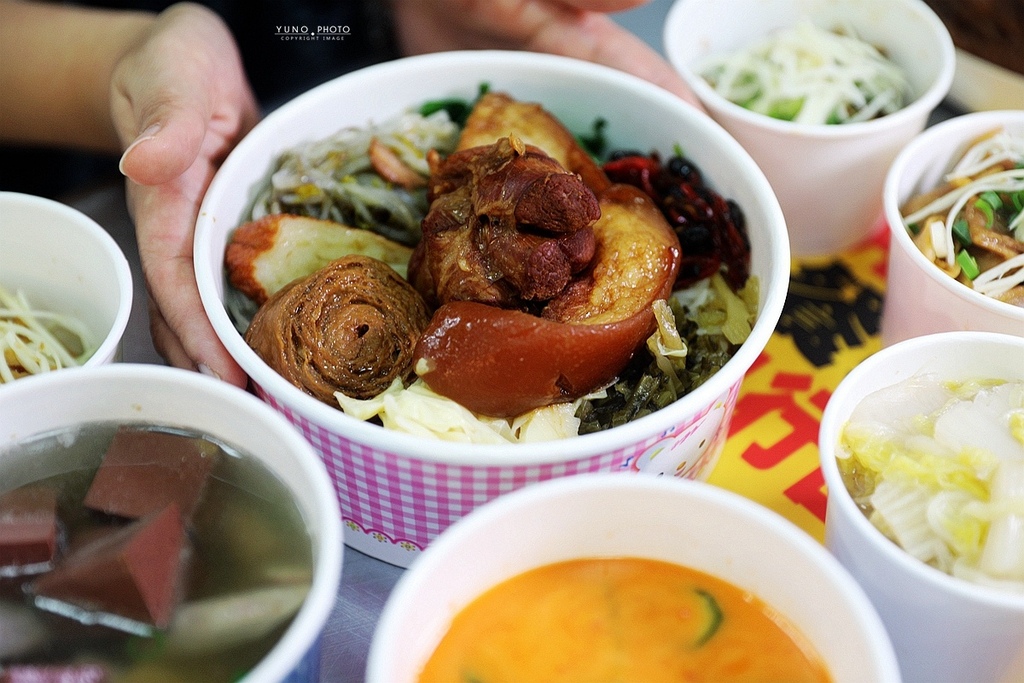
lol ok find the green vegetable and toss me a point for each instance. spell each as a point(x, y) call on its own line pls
point(596, 142)
point(961, 232)
point(786, 109)
point(985, 208)
point(458, 109)
point(712, 617)
point(968, 264)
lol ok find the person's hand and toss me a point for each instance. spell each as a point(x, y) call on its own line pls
point(573, 28)
point(180, 101)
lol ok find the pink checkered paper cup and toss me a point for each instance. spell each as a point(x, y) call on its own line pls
point(398, 492)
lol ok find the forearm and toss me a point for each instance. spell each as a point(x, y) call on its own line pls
point(55, 69)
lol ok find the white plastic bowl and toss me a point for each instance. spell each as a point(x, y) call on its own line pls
point(65, 262)
point(153, 394)
point(397, 492)
point(689, 523)
point(944, 630)
point(921, 299)
point(828, 178)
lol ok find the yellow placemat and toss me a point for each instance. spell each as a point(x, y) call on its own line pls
point(829, 324)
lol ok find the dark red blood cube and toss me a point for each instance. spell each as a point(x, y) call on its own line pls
point(144, 471)
point(133, 572)
point(28, 527)
point(80, 673)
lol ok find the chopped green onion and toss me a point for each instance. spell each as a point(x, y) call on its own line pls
point(992, 199)
point(968, 265)
point(596, 142)
point(985, 208)
point(961, 232)
point(915, 229)
point(1018, 200)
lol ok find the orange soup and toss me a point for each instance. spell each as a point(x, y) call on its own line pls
point(621, 619)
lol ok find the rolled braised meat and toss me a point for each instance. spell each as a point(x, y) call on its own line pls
point(351, 327)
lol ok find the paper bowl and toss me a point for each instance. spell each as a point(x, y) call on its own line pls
point(921, 299)
point(64, 262)
point(397, 492)
point(689, 523)
point(828, 178)
point(944, 629)
point(152, 394)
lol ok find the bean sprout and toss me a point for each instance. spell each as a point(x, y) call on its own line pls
point(810, 75)
point(31, 339)
point(990, 172)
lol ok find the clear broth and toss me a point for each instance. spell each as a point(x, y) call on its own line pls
point(246, 534)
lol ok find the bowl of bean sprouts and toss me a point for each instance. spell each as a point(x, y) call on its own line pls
point(954, 201)
point(822, 94)
point(65, 289)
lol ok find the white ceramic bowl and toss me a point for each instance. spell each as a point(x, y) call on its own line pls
point(153, 394)
point(689, 523)
point(944, 630)
point(398, 492)
point(828, 178)
point(920, 298)
point(63, 261)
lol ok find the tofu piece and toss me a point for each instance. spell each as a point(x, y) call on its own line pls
point(496, 115)
point(133, 573)
point(144, 471)
point(29, 530)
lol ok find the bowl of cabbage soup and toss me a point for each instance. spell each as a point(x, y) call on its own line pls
point(922, 449)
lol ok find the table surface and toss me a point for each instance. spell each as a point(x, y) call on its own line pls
point(771, 455)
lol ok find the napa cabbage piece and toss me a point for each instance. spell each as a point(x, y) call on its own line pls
point(938, 467)
point(419, 411)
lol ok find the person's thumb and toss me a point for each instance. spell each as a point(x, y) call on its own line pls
point(166, 141)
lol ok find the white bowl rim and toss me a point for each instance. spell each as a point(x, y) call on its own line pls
point(308, 623)
point(957, 126)
point(829, 432)
point(485, 515)
point(107, 348)
point(457, 453)
point(920, 106)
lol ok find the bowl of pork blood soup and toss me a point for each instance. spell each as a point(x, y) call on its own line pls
point(440, 347)
point(156, 524)
point(922, 449)
point(822, 94)
point(560, 581)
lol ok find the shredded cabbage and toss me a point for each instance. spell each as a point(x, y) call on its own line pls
point(939, 468)
point(810, 75)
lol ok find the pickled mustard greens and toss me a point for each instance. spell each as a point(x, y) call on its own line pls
point(34, 341)
point(938, 467)
point(972, 225)
point(808, 74)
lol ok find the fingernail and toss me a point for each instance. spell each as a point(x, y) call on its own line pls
point(147, 134)
point(204, 369)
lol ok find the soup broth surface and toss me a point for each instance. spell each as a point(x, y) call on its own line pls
point(620, 620)
point(249, 559)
